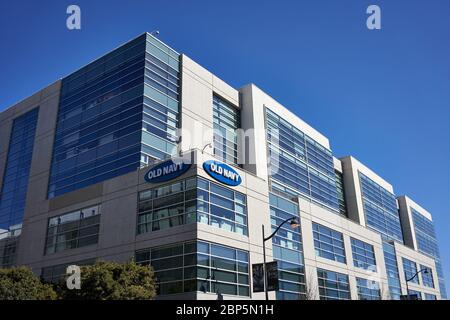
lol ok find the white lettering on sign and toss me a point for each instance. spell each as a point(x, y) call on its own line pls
point(224, 172)
point(165, 170)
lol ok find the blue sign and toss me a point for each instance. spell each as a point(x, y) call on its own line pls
point(166, 171)
point(222, 172)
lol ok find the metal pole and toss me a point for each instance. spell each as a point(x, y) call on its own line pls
point(264, 265)
point(407, 290)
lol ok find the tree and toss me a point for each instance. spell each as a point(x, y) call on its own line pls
point(113, 281)
point(311, 287)
point(21, 284)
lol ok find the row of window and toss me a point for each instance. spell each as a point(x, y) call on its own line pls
point(427, 244)
point(116, 114)
point(73, 230)
point(192, 200)
point(287, 249)
point(380, 208)
point(329, 244)
point(226, 119)
point(18, 164)
point(412, 275)
point(198, 266)
point(298, 164)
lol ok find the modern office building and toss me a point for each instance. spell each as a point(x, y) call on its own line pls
point(143, 154)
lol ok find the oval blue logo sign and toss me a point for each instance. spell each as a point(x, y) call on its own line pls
point(222, 172)
point(166, 171)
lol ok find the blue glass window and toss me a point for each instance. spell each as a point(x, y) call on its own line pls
point(329, 244)
point(363, 255)
point(227, 120)
point(333, 285)
point(393, 275)
point(368, 290)
point(116, 114)
point(17, 171)
point(415, 292)
point(427, 277)
point(427, 244)
point(380, 208)
point(341, 193)
point(198, 266)
point(410, 269)
point(298, 164)
point(429, 296)
point(287, 249)
point(192, 200)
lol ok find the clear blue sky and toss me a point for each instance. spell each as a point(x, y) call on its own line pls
point(381, 96)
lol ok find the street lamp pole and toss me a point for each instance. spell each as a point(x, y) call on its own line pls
point(425, 271)
point(294, 224)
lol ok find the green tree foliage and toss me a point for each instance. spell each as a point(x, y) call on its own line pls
point(113, 281)
point(21, 284)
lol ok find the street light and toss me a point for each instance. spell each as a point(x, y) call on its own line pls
point(424, 270)
point(293, 224)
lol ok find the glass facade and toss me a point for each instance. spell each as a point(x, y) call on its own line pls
point(341, 193)
point(333, 285)
point(298, 165)
point(329, 244)
point(198, 266)
point(390, 259)
point(368, 290)
point(380, 208)
point(415, 292)
point(440, 274)
point(363, 255)
point(227, 120)
point(427, 277)
point(287, 249)
point(8, 251)
point(16, 173)
point(410, 269)
point(115, 114)
point(161, 117)
point(427, 244)
point(429, 296)
point(73, 230)
point(57, 273)
point(192, 200)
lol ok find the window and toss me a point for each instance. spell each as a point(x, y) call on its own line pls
point(427, 277)
point(287, 249)
point(73, 230)
point(429, 296)
point(368, 290)
point(57, 273)
point(192, 200)
point(410, 269)
point(363, 255)
point(8, 250)
point(15, 180)
point(380, 208)
point(298, 165)
point(427, 244)
point(415, 292)
point(341, 193)
point(393, 275)
point(425, 234)
point(115, 112)
point(227, 120)
point(329, 244)
point(198, 266)
point(333, 285)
